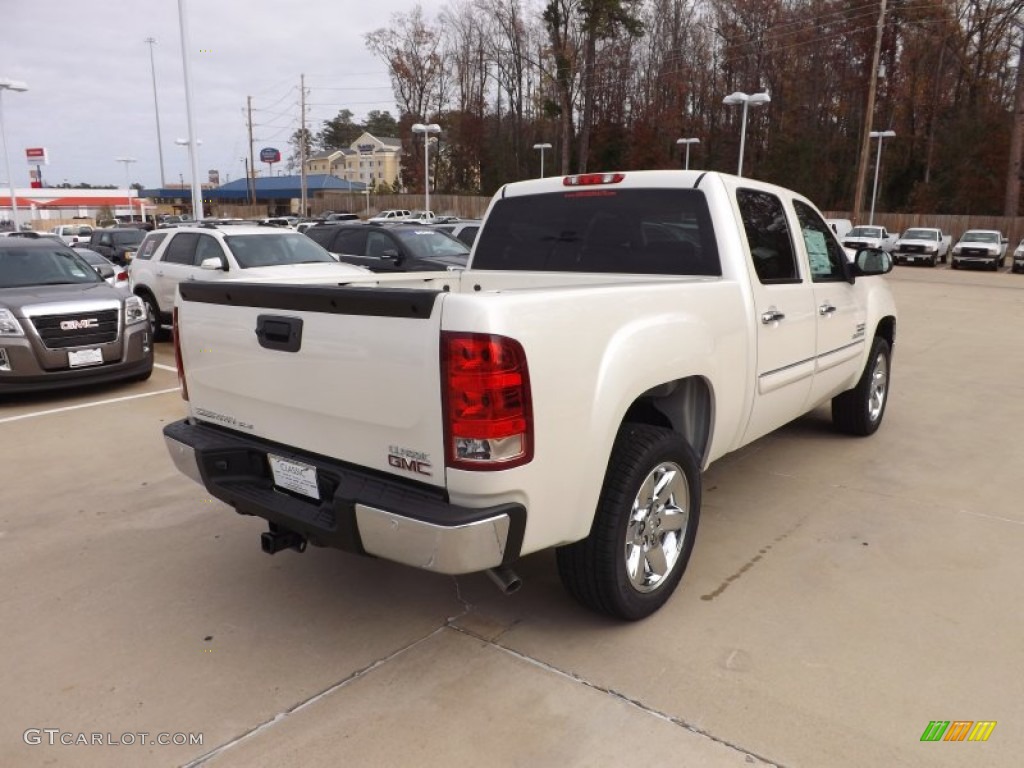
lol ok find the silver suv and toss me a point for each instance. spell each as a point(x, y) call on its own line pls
point(168, 256)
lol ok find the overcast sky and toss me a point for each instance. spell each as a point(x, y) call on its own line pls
point(90, 97)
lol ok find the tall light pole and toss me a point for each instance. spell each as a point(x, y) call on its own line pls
point(20, 87)
point(128, 182)
point(187, 143)
point(880, 135)
point(193, 151)
point(156, 107)
point(543, 146)
point(746, 99)
point(687, 142)
point(426, 130)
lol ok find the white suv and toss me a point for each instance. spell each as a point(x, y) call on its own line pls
point(168, 256)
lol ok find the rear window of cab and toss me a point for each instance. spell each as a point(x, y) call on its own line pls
point(601, 229)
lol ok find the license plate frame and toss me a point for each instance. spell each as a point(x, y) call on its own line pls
point(80, 358)
point(295, 476)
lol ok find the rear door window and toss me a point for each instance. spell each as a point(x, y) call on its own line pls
point(350, 241)
point(150, 244)
point(182, 249)
point(601, 229)
point(768, 237)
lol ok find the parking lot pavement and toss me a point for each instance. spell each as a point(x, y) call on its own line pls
point(843, 594)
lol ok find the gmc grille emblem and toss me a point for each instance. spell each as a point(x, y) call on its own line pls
point(74, 325)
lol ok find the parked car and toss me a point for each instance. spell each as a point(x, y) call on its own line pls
point(1018, 258)
point(926, 245)
point(386, 217)
point(869, 237)
point(61, 324)
point(980, 247)
point(73, 233)
point(398, 248)
point(118, 244)
point(169, 256)
point(115, 275)
point(279, 221)
point(464, 230)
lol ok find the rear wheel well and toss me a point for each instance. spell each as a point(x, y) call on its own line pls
point(684, 406)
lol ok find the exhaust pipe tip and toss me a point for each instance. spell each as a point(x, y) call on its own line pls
point(506, 579)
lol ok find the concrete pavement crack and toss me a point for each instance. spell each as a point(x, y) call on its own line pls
point(281, 716)
point(628, 700)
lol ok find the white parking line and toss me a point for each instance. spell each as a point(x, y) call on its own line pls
point(88, 405)
point(163, 367)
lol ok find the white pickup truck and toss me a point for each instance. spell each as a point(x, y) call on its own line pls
point(613, 334)
point(984, 247)
point(925, 245)
point(870, 237)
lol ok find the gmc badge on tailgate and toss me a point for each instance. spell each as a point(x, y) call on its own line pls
point(409, 461)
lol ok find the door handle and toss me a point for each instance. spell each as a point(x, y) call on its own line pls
point(772, 316)
point(826, 309)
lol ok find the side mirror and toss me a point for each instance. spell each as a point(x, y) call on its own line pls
point(1006, 240)
point(213, 263)
point(871, 261)
point(390, 253)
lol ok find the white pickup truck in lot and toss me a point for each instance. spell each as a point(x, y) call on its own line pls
point(613, 334)
point(925, 245)
point(981, 247)
point(870, 237)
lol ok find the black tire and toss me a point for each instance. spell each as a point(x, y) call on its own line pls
point(594, 570)
point(858, 411)
point(153, 310)
point(932, 261)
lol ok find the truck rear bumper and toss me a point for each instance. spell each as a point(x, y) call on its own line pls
point(358, 511)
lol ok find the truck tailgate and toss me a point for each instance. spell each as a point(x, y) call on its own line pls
point(348, 373)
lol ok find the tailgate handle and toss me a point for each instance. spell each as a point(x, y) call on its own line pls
point(280, 333)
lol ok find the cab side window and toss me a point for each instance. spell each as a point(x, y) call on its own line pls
point(768, 236)
point(827, 258)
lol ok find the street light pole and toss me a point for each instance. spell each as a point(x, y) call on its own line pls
point(746, 99)
point(426, 130)
point(128, 183)
point(156, 107)
point(880, 135)
point(187, 143)
point(543, 146)
point(193, 152)
point(687, 142)
point(20, 87)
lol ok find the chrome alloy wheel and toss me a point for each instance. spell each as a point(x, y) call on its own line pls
point(879, 387)
point(657, 526)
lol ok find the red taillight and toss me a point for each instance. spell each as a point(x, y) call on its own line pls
point(590, 179)
point(121, 276)
point(487, 409)
point(177, 354)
